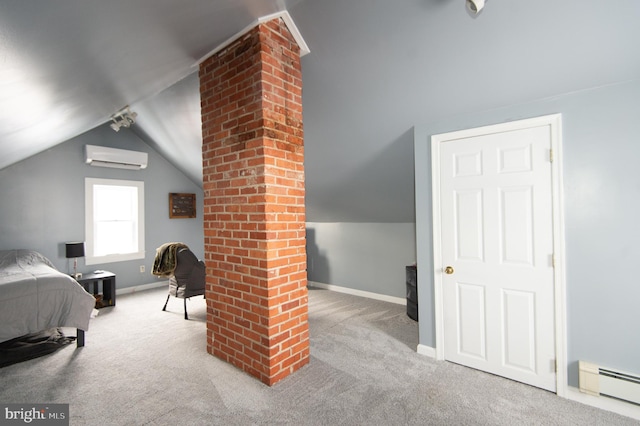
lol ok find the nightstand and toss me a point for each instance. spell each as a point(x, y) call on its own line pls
point(104, 279)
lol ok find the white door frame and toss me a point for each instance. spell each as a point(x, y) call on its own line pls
point(554, 122)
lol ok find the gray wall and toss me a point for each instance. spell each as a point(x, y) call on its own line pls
point(363, 256)
point(602, 207)
point(42, 203)
point(379, 69)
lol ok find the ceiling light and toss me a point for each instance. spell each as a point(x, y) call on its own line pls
point(123, 118)
point(475, 6)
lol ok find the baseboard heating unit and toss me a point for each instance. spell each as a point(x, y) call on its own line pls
point(596, 380)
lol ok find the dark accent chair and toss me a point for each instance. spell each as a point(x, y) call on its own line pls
point(188, 278)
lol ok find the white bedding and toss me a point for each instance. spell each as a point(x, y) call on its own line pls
point(35, 296)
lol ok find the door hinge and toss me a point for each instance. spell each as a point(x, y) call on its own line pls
point(551, 155)
point(554, 366)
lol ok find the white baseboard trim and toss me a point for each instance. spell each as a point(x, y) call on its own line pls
point(354, 292)
point(427, 351)
point(135, 289)
point(604, 403)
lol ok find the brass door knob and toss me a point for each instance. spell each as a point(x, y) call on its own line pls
point(448, 270)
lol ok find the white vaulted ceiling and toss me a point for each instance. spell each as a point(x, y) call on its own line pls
point(66, 66)
point(377, 68)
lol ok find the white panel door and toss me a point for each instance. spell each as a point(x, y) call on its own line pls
point(497, 251)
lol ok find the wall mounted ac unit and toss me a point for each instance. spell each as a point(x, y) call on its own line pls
point(103, 156)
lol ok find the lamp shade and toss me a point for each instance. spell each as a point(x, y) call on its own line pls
point(75, 249)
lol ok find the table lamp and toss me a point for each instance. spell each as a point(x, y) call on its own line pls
point(75, 250)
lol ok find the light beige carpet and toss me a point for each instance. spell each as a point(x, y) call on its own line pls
point(142, 366)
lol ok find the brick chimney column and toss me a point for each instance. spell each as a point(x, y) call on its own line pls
point(254, 212)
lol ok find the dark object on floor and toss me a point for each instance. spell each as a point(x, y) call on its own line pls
point(188, 277)
point(412, 292)
point(32, 346)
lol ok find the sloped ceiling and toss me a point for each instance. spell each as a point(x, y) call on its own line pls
point(66, 66)
point(376, 69)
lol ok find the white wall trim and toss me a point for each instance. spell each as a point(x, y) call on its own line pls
point(554, 121)
point(142, 287)
point(426, 351)
point(604, 403)
point(91, 185)
point(438, 307)
point(286, 18)
point(562, 380)
point(354, 292)
point(293, 29)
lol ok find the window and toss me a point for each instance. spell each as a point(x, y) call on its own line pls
point(114, 220)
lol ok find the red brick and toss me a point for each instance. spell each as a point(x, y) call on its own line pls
point(253, 165)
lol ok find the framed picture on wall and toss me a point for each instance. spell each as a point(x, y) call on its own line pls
point(182, 205)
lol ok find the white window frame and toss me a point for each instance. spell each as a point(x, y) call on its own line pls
point(90, 258)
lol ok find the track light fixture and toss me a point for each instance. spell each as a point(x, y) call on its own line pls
point(123, 118)
point(475, 6)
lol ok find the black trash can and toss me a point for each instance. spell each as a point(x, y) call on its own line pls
point(412, 292)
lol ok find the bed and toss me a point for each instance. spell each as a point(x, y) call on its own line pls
point(35, 296)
